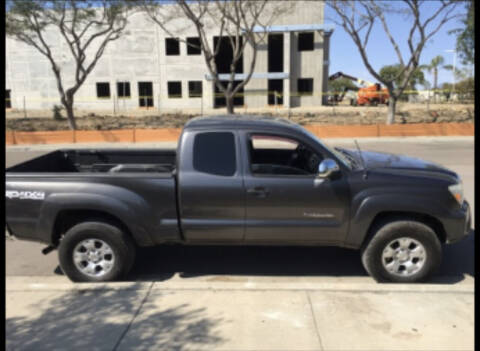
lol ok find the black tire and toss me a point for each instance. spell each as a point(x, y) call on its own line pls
point(121, 244)
point(386, 232)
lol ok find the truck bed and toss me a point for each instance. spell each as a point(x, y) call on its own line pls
point(45, 191)
point(100, 160)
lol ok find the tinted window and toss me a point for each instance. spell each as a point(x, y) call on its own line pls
point(214, 153)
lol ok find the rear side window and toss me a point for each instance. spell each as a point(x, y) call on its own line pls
point(214, 153)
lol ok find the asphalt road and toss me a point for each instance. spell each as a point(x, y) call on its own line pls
point(161, 263)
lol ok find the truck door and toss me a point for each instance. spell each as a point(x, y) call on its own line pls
point(285, 201)
point(210, 187)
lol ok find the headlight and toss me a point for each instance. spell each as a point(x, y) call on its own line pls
point(457, 191)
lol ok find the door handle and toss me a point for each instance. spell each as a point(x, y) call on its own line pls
point(258, 191)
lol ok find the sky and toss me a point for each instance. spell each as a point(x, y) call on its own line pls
point(345, 57)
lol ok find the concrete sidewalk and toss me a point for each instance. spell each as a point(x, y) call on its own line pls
point(238, 313)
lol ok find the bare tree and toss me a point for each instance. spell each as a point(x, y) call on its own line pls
point(86, 26)
point(358, 18)
point(243, 22)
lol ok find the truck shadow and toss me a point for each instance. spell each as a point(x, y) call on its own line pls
point(161, 263)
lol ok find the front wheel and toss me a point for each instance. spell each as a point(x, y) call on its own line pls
point(403, 251)
point(96, 252)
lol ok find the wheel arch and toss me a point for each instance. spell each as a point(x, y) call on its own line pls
point(68, 218)
point(388, 216)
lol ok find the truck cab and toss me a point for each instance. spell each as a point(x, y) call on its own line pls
point(262, 180)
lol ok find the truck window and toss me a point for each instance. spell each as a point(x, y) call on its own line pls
point(214, 153)
point(277, 155)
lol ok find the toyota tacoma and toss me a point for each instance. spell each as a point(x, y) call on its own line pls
point(237, 180)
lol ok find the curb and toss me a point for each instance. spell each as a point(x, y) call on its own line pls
point(361, 284)
point(172, 134)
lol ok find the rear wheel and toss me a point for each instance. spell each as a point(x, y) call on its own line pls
point(402, 251)
point(96, 252)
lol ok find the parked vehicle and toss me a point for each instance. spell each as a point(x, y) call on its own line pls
point(237, 181)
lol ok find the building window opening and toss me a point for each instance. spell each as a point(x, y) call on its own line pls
point(8, 101)
point(145, 94)
point(123, 89)
point(225, 55)
point(103, 90)
point(195, 88)
point(305, 86)
point(220, 101)
point(275, 53)
point(305, 41)
point(275, 86)
point(172, 46)
point(174, 90)
point(193, 46)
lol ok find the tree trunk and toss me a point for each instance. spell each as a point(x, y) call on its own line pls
point(435, 78)
point(229, 99)
point(71, 117)
point(392, 103)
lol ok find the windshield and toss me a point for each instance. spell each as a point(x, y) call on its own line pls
point(347, 161)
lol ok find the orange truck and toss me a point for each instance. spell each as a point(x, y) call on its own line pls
point(370, 94)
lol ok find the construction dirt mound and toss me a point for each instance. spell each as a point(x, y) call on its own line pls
point(339, 115)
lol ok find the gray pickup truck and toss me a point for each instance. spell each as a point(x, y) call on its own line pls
point(236, 181)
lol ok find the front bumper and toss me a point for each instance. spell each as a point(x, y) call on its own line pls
point(458, 225)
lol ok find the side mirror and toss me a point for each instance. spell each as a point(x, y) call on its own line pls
point(327, 167)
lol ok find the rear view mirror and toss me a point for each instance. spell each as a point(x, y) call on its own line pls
point(327, 167)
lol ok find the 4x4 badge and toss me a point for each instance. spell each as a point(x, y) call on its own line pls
point(23, 195)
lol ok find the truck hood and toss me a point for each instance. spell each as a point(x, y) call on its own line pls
point(376, 160)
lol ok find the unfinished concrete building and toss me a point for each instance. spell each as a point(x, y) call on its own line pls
point(148, 69)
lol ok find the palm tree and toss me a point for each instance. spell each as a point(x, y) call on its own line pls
point(433, 67)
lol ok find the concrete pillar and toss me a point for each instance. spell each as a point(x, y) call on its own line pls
point(208, 89)
point(256, 89)
point(295, 65)
point(286, 68)
point(326, 65)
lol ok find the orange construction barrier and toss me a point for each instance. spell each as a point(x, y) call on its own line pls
point(172, 134)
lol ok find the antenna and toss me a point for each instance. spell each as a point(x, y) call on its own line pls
point(363, 161)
